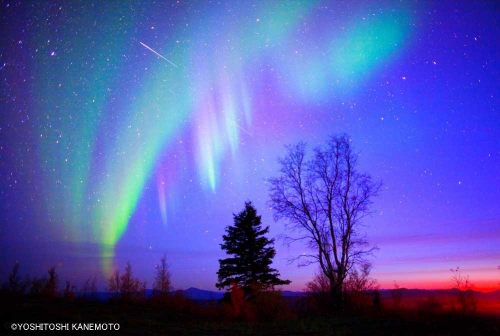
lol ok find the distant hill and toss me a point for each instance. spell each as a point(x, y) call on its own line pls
point(201, 294)
point(293, 294)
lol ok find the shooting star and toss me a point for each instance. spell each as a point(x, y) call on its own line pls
point(148, 47)
point(232, 192)
point(244, 130)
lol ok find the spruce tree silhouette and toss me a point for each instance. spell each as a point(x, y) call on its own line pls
point(251, 255)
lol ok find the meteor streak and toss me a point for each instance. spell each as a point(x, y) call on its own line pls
point(148, 47)
point(232, 192)
point(244, 130)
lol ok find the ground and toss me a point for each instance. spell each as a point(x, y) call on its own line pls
point(196, 319)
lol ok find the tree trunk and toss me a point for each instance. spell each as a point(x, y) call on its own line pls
point(336, 294)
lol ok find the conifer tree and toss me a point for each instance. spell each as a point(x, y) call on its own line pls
point(251, 254)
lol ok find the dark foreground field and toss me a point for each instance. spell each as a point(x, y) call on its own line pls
point(147, 318)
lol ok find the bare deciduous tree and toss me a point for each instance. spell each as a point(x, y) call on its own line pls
point(114, 283)
point(318, 293)
point(89, 289)
point(323, 201)
point(162, 284)
point(15, 285)
point(360, 287)
point(52, 284)
point(37, 286)
point(318, 285)
point(465, 294)
point(397, 295)
point(128, 287)
point(69, 291)
point(360, 281)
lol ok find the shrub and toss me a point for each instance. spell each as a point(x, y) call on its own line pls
point(69, 292)
point(317, 301)
point(261, 305)
point(237, 309)
point(270, 306)
point(430, 306)
point(37, 286)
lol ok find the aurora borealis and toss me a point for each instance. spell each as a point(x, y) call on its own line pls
point(111, 153)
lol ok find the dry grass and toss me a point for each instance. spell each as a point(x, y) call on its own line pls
point(179, 316)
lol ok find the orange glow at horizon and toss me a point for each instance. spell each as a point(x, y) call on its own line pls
point(485, 285)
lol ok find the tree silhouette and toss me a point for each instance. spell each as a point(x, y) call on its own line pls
point(465, 294)
point(69, 291)
point(114, 283)
point(52, 284)
point(37, 286)
point(323, 201)
point(128, 287)
point(162, 284)
point(360, 287)
point(251, 254)
point(397, 295)
point(15, 284)
point(89, 289)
